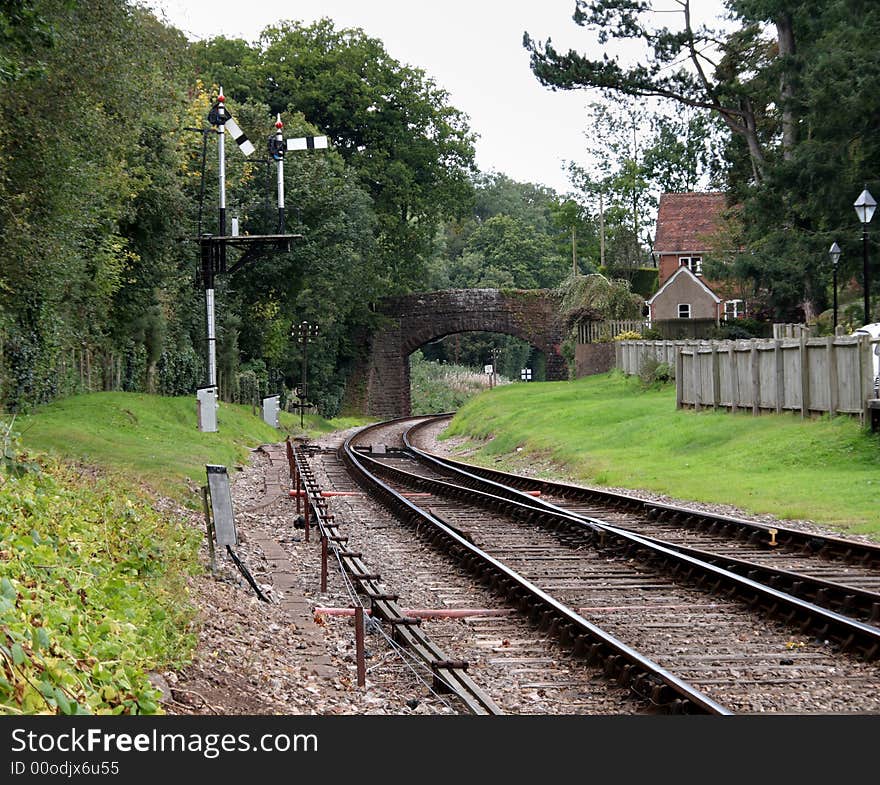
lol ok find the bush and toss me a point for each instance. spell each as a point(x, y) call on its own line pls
point(653, 372)
point(652, 334)
point(628, 335)
point(92, 593)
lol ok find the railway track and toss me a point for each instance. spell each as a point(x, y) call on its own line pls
point(691, 635)
point(836, 573)
point(519, 668)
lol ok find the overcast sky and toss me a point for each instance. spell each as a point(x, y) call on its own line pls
point(471, 48)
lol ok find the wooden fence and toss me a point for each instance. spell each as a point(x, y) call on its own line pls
point(630, 355)
point(599, 332)
point(833, 375)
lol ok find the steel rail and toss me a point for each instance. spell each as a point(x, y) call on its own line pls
point(632, 669)
point(786, 536)
point(448, 674)
point(825, 593)
point(821, 621)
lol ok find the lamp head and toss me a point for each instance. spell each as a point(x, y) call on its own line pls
point(865, 206)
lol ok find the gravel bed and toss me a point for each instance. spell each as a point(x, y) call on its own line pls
point(251, 658)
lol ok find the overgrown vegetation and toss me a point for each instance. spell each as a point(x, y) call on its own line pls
point(611, 430)
point(92, 592)
point(443, 387)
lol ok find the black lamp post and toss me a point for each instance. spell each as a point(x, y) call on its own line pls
point(865, 206)
point(834, 253)
point(495, 352)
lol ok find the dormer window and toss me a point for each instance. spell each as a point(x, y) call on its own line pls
point(693, 263)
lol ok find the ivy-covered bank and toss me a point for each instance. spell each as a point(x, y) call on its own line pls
point(92, 591)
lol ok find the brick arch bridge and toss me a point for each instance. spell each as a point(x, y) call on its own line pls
point(414, 320)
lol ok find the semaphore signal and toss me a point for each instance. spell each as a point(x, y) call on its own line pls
point(277, 147)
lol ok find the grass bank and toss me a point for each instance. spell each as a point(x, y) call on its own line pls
point(608, 430)
point(93, 572)
point(155, 440)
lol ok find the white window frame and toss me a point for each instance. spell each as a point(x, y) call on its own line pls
point(689, 310)
point(693, 263)
point(737, 309)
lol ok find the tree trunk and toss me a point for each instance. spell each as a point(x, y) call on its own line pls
point(785, 39)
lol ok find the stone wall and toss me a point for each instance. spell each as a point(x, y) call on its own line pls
point(414, 320)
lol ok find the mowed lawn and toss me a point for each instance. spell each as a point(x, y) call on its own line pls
point(154, 439)
point(609, 430)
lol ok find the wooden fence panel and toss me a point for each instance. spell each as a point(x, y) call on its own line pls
point(767, 374)
point(820, 398)
point(849, 399)
point(791, 363)
point(803, 375)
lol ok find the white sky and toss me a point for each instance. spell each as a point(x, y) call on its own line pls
point(471, 48)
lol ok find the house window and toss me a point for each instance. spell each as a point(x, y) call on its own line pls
point(684, 310)
point(733, 309)
point(694, 263)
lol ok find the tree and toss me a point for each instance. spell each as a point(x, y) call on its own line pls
point(796, 105)
point(392, 124)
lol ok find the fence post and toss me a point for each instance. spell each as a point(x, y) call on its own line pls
point(756, 379)
point(734, 379)
point(716, 377)
point(679, 378)
point(695, 374)
point(866, 376)
point(805, 376)
point(832, 376)
point(780, 375)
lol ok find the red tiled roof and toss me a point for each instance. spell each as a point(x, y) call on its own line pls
point(684, 220)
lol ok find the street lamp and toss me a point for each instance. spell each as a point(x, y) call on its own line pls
point(865, 206)
point(305, 332)
point(834, 253)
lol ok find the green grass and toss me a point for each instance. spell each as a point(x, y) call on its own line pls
point(155, 440)
point(608, 430)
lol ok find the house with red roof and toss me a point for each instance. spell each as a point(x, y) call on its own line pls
point(685, 224)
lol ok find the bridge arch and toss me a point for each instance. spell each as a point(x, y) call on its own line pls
point(413, 320)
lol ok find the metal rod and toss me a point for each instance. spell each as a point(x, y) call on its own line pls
point(866, 273)
point(280, 142)
point(835, 298)
point(307, 512)
point(212, 338)
point(209, 526)
point(359, 646)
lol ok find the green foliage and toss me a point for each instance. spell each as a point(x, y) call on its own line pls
point(391, 123)
point(653, 372)
point(180, 371)
point(794, 85)
point(644, 281)
point(443, 387)
point(92, 594)
point(598, 298)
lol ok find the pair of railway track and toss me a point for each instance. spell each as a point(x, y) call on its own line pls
point(688, 611)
